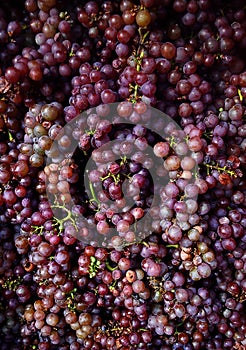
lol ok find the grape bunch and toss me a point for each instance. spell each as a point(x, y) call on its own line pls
point(122, 175)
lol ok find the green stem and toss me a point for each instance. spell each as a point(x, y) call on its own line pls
point(68, 217)
point(93, 193)
point(10, 136)
point(172, 141)
point(94, 266)
point(105, 177)
point(38, 229)
point(240, 95)
point(142, 36)
point(116, 178)
point(224, 169)
point(109, 267)
point(123, 160)
point(112, 285)
point(136, 91)
point(90, 132)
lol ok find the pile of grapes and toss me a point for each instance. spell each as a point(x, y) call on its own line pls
point(66, 282)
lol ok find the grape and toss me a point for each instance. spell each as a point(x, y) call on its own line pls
point(143, 18)
point(161, 149)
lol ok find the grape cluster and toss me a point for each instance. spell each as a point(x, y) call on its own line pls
point(146, 248)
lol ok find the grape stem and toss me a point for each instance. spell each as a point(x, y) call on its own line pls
point(240, 95)
point(123, 160)
point(94, 266)
point(224, 169)
point(12, 284)
point(135, 89)
point(93, 193)
point(139, 55)
point(178, 325)
point(116, 178)
point(112, 285)
point(90, 132)
point(172, 141)
point(10, 136)
point(109, 267)
point(70, 300)
point(68, 217)
point(38, 229)
point(208, 134)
